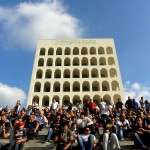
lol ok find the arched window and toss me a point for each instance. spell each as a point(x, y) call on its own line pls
point(104, 73)
point(111, 61)
point(102, 61)
point(58, 62)
point(56, 87)
point(42, 51)
point(76, 86)
point(66, 73)
point(93, 61)
point(66, 100)
point(49, 62)
point(45, 101)
point(85, 86)
point(115, 86)
point(84, 61)
point(37, 87)
point(113, 72)
point(92, 50)
point(101, 50)
point(48, 73)
point(76, 100)
point(107, 99)
point(39, 74)
point(67, 62)
point(35, 100)
point(85, 73)
point(66, 86)
point(47, 87)
point(105, 86)
point(41, 62)
point(75, 51)
point(116, 97)
point(76, 73)
point(96, 99)
point(84, 51)
point(51, 51)
point(109, 50)
point(56, 97)
point(94, 73)
point(67, 51)
point(57, 73)
point(59, 51)
point(75, 61)
point(95, 86)
point(86, 98)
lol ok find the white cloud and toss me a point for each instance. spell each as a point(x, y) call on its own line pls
point(23, 25)
point(136, 90)
point(9, 95)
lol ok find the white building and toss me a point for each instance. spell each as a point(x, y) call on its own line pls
point(73, 70)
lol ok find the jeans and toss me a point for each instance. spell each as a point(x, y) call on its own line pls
point(86, 145)
point(50, 132)
point(19, 146)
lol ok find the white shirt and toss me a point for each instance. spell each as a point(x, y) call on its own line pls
point(54, 105)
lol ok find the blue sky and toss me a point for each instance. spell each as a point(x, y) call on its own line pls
point(128, 22)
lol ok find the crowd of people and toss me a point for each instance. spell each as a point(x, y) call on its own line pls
point(86, 126)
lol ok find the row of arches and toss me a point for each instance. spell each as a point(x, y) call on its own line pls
point(77, 86)
point(76, 99)
point(76, 51)
point(76, 73)
point(76, 61)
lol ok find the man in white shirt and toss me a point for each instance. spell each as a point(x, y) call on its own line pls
point(55, 105)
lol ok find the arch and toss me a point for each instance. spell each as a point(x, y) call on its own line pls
point(96, 99)
point(67, 51)
point(56, 97)
point(93, 61)
point(41, 62)
point(105, 86)
point(49, 62)
point(75, 51)
point(45, 101)
point(35, 100)
point(85, 73)
point(111, 61)
point(101, 50)
point(39, 74)
point(84, 51)
point(66, 100)
point(57, 73)
point(95, 86)
point(102, 61)
point(109, 50)
point(37, 87)
point(104, 73)
point(67, 62)
point(48, 73)
point(84, 61)
point(92, 50)
point(116, 97)
point(66, 86)
point(47, 87)
point(59, 51)
point(107, 99)
point(75, 61)
point(115, 86)
point(56, 87)
point(66, 73)
point(76, 99)
point(113, 72)
point(51, 51)
point(58, 62)
point(85, 86)
point(86, 98)
point(76, 86)
point(94, 73)
point(76, 73)
point(42, 51)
